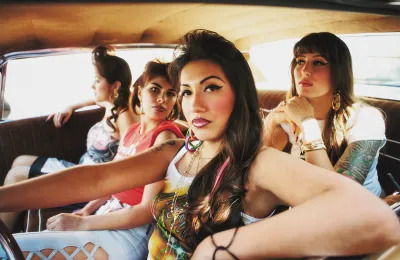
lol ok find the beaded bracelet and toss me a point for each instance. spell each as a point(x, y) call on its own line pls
point(225, 248)
point(313, 146)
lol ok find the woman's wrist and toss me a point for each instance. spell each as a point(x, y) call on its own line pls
point(311, 131)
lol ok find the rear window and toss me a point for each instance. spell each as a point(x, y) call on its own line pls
point(376, 64)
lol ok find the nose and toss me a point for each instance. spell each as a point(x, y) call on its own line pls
point(198, 103)
point(161, 98)
point(306, 69)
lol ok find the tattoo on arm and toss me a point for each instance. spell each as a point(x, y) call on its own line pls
point(160, 147)
point(357, 159)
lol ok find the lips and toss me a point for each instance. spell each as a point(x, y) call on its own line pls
point(305, 83)
point(200, 122)
point(159, 108)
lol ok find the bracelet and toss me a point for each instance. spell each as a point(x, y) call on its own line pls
point(313, 146)
point(225, 248)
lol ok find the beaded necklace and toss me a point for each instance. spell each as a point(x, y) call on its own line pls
point(176, 211)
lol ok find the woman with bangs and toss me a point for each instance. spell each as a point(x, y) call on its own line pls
point(121, 225)
point(222, 185)
point(322, 119)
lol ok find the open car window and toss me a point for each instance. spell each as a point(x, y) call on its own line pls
point(44, 85)
point(376, 64)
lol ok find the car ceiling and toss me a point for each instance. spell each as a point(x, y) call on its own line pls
point(32, 26)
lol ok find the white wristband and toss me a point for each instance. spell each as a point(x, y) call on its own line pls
point(311, 130)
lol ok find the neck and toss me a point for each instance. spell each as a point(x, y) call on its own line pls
point(147, 124)
point(210, 149)
point(322, 106)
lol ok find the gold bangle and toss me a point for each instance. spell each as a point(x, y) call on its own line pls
point(313, 146)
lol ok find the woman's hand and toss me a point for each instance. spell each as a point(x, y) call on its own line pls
point(60, 118)
point(81, 212)
point(277, 116)
point(297, 109)
point(66, 222)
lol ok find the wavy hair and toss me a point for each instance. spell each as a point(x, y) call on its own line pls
point(215, 209)
point(113, 69)
point(153, 69)
point(336, 52)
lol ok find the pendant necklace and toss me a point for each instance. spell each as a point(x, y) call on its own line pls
point(176, 211)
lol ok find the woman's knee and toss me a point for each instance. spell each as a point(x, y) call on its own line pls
point(24, 160)
point(17, 174)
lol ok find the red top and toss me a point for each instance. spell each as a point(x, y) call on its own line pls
point(132, 143)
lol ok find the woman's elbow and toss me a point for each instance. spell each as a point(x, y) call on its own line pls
point(385, 229)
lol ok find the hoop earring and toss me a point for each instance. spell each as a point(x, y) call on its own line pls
point(190, 137)
point(336, 102)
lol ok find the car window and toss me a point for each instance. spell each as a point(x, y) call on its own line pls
point(44, 85)
point(376, 64)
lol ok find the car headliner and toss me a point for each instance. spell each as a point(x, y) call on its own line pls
point(41, 25)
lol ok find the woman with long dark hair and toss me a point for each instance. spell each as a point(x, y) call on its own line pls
point(322, 119)
point(111, 90)
point(226, 179)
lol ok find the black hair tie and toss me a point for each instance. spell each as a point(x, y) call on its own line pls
point(225, 248)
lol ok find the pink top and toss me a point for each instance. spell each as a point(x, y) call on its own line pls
point(133, 143)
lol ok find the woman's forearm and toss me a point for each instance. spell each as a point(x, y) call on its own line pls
point(121, 219)
point(85, 183)
point(85, 103)
point(319, 158)
point(94, 205)
point(338, 222)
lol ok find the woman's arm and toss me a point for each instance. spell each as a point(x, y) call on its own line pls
point(274, 135)
point(60, 118)
point(124, 121)
point(121, 219)
point(330, 215)
point(91, 207)
point(84, 183)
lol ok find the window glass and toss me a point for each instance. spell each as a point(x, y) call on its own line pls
point(44, 85)
point(376, 64)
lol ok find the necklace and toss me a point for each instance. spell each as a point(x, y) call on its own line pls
point(176, 211)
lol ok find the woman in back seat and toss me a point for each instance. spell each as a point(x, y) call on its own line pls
point(113, 79)
point(321, 118)
point(121, 224)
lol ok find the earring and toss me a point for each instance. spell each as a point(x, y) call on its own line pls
point(170, 115)
point(190, 137)
point(336, 102)
point(141, 110)
point(116, 94)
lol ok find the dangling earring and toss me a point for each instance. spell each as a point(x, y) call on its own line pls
point(170, 115)
point(336, 102)
point(116, 94)
point(141, 110)
point(190, 137)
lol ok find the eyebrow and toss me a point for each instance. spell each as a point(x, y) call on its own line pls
point(156, 84)
point(205, 79)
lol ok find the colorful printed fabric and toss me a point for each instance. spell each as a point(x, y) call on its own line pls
point(168, 240)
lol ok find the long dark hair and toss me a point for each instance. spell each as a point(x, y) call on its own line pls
point(113, 69)
point(153, 69)
point(212, 210)
point(336, 52)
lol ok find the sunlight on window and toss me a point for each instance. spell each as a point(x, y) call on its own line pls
point(376, 64)
point(41, 86)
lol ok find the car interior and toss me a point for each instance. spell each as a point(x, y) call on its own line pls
point(33, 29)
